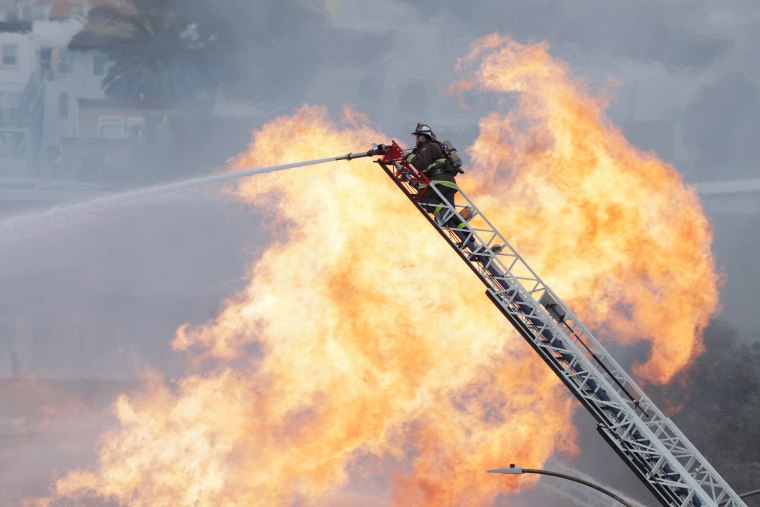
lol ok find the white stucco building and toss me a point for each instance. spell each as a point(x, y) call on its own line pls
point(17, 64)
point(33, 54)
point(71, 72)
point(57, 121)
point(17, 60)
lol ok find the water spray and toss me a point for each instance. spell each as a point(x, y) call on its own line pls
point(180, 185)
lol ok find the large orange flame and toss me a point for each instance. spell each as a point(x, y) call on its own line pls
point(366, 343)
point(612, 229)
point(363, 347)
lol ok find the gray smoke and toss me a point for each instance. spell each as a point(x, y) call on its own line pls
point(101, 296)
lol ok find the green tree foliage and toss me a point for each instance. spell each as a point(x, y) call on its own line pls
point(171, 52)
point(717, 405)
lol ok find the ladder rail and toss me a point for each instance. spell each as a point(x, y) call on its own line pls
point(649, 442)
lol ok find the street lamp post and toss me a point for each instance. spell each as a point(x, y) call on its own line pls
point(745, 495)
point(513, 470)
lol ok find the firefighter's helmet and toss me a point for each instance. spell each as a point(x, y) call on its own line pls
point(423, 130)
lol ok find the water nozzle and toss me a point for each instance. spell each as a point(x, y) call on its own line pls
point(377, 149)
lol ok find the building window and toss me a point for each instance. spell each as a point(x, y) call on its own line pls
point(111, 127)
point(135, 127)
point(63, 106)
point(64, 61)
point(46, 60)
point(10, 55)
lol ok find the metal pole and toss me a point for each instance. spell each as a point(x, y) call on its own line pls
point(513, 470)
point(744, 495)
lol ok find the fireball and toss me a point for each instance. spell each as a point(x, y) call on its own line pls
point(362, 362)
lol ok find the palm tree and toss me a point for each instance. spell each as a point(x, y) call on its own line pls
point(168, 54)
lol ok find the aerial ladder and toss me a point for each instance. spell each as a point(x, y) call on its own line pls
point(648, 441)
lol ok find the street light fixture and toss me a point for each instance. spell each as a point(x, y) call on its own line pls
point(513, 470)
point(745, 495)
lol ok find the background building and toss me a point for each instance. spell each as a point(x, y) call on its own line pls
point(56, 121)
point(18, 51)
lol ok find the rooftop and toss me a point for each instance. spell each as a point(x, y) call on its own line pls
point(92, 40)
point(103, 29)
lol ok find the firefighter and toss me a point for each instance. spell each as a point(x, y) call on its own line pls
point(428, 157)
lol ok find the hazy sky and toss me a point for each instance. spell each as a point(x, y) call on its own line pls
point(686, 72)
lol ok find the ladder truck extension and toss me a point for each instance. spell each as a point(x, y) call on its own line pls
point(647, 441)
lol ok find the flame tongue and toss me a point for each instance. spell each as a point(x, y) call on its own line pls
point(368, 348)
point(373, 340)
point(611, 229)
